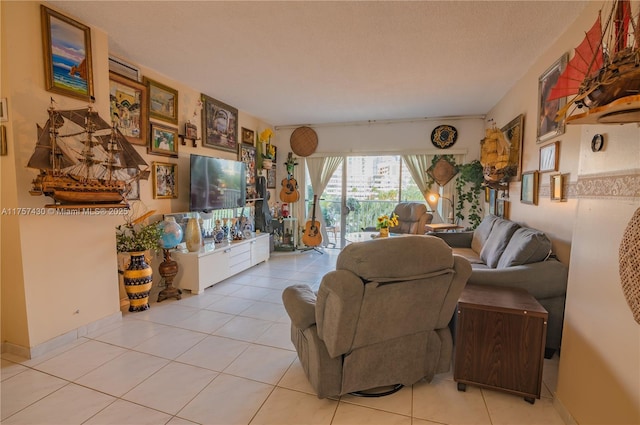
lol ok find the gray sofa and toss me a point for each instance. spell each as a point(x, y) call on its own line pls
point(503, 253)
point(381, 318)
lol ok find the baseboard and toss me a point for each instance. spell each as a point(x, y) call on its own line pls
point(563, 412)
point(61, 340)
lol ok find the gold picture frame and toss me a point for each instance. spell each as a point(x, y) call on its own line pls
point(548, 127)
point(529, 188)
point(514, 133)
point(219, 125)
point(67, 55)
point(128, 103)
point(165, 180)
point(163, 101)
point(557, 190)
point(163, 140)
point(549, 155)
point(502, 208)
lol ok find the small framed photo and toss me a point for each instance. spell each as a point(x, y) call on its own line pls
point(163, 101)
point(4, 112)
point(549, 157)
point(133, 189)
point(271, 178)
point(164, 140)
point(128, 103)
point(558, 193)
point(502, 208)
point(67, 55)
point(247, 154)
point(248, 136)
point(165, 180)
point(492, 201)
point(190, 131)
point(548, 127)
point(529, 188)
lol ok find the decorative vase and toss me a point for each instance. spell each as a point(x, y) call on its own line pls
point(384, 232)
point(192, 235)
point(138, 278)
point(267, 163)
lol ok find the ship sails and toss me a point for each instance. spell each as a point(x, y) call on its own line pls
point(83, 160)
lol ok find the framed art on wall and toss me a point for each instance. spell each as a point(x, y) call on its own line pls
point(247, 154)
point(271, 178)
point(165, 180)
point(492, 201)
point(163, 101)
point(549, 157)
point(513, 133)
point(128, 103)
point(502, 208)
point(529, 188)
point(67, 55)
point(548, 127)
point(163, 140)
point(248, 136)
point(220, 125)
point(557, 190)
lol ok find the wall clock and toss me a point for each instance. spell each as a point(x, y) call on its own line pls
point(444, 136)
point(597, 143)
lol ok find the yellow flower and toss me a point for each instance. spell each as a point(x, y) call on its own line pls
point(384, 221)
point(266, 134)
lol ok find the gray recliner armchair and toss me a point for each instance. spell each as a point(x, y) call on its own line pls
point(412, 217)
point(380, 319)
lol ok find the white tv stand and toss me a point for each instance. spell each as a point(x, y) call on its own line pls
point(216, 262)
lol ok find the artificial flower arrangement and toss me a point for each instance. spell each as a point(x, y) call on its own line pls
point(384, 221)
point(134, 236)
point(269, 150)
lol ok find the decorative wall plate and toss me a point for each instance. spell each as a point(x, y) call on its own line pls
point(442, 171)
point(597, 143)
point(304, 141)
point(444, 136)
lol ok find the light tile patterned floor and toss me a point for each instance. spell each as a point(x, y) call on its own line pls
point(225, 357)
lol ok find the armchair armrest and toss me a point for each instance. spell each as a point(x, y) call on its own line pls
point(455, 239)
point(300, 303)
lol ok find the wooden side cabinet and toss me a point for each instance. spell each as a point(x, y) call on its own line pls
point(500, 337)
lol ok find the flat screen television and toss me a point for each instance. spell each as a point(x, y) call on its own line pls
point(216, 183)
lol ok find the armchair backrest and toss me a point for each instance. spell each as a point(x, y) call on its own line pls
point(412, 217)
point(387, 288)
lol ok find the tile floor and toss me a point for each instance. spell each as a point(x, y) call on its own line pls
point(225, 357)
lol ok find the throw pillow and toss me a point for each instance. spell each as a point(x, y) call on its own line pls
point(497, 241)
point(526, 246)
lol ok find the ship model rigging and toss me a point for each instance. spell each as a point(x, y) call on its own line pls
point(604, 74)
point(83, 161)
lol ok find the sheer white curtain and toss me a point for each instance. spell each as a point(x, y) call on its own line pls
point(418, 166)
point(320, 171)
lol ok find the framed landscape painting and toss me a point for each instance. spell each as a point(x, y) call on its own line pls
point(163, 101)
point(67, 55)
point(128, 103)
point(529, 188)
point(220, 125)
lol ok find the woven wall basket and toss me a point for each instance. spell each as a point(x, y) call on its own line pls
point(304, 141)
point(629, 260)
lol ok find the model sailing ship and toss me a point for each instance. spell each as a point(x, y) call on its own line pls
point(606, 68)
point(84, 161)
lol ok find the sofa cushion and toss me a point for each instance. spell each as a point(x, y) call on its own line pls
point(469, 254)
point(525, 246)
point(497, 241)
point(482, 232)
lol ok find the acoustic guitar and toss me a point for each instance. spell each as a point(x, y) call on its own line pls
point(289, 191)
point(312, 236)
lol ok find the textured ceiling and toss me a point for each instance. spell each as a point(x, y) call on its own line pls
point(308, 62)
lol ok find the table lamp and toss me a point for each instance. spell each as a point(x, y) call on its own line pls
point(432, 199)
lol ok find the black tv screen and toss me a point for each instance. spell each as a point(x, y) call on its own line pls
point(216, 183)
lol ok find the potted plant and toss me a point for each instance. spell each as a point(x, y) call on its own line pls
point(269, 150)
point(384, 222)
point(135, 237)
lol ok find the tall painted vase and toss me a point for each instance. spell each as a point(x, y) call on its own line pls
point(138, 278)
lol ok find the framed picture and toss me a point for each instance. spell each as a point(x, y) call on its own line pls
point(492, 201)
point(529, 188)
point(133, 192)
point(247, 154)
point(164, 140)
point(128, 103)
point(165, 180)
point(248, 136)
point(275, 154)
point(220, 125)
point(557, 191)
point(190, 131)
point(513, 133)
point(271, 178)
point(67, 55)
point(163, 101)
point(502, 208)
point(548, 127)
point(549, 157)
point(4, 112)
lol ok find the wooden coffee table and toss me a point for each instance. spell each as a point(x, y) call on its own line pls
point(499, 343)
